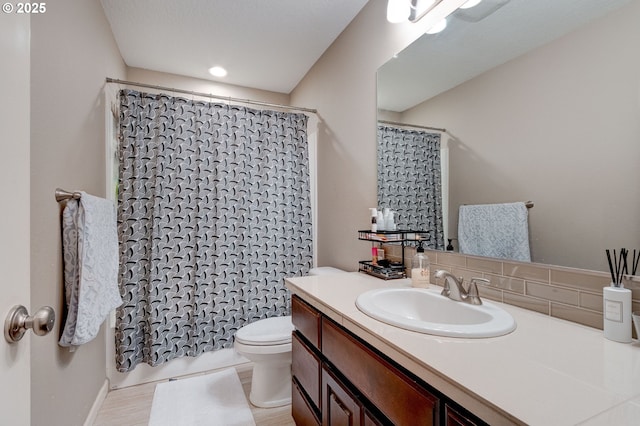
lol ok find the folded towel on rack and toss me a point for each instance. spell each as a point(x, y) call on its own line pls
point(90, 250)
point(495, 230)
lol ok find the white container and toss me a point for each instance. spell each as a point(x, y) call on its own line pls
point(617, 313)
point(390, 222)
point(374, 219)
point(380, 253)
point(381, 222)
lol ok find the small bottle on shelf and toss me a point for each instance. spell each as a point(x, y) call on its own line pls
point(380, 221)
point(374, 219)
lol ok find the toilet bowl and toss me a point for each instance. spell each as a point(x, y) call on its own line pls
point(267, 343)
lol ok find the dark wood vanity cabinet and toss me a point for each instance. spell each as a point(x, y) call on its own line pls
point(340, 380)
point(454, 417)
point(340, 406)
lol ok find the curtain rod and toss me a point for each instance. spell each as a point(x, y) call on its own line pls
point(395, 123)
point(209, 95)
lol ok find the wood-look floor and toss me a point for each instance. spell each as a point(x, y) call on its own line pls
point(132, 406)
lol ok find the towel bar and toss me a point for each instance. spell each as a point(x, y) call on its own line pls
point(528, 204)
point(62, 195)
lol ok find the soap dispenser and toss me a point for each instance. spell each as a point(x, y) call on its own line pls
point(420, 273)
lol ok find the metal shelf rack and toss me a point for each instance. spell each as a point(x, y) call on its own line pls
point(394, 270)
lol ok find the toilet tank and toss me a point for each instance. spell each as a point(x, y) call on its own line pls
point(325, 270)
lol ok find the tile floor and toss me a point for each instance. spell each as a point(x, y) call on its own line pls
point(132, 406)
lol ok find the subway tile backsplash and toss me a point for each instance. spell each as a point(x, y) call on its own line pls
point(567, 293)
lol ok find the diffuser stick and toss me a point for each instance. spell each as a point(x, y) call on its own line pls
point(613, 277)
point(617, 264)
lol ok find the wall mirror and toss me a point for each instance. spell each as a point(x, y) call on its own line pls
point(541, 102)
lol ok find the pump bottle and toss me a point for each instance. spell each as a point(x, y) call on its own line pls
point(420, 273)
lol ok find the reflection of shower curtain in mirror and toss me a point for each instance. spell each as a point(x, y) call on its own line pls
point(409, 180)
point(213, 213)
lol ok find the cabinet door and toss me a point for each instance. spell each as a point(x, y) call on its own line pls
point(455, 418)
point(370, 419)
point(340, 406)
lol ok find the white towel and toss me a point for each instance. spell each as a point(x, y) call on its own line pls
point(495, 230)
point(90, 249)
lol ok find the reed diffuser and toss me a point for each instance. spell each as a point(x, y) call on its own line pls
point(617, 299)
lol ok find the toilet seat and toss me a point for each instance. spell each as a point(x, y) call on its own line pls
point(266, 332)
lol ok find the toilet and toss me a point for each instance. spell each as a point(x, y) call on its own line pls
point(267, 343)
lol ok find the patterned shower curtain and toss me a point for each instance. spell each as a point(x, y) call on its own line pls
point(410, 180)
point(213, 213)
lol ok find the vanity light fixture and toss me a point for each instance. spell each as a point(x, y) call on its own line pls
point(438, 27)
point(420, 8)
point(470, 4)
point(217, 71)
point(398, 11)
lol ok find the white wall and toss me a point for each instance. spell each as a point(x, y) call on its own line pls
point(342, 86)
point(559, 126)
point(140, 75)
point(72, 52)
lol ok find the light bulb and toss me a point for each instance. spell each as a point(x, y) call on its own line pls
point(438, 27)
point(398, 11)
point(470, 4)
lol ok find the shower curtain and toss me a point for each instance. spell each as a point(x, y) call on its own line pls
point(214, 212)
point(410, 180)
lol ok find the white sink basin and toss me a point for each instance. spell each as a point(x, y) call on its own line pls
point(427, 311)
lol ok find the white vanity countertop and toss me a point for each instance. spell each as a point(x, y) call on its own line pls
point(547, 372)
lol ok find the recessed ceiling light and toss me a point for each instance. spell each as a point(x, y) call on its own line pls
point(217, 71)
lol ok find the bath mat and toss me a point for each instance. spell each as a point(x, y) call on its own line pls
point(212, 399)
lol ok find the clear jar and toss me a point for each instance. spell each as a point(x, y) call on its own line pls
point(420, 272)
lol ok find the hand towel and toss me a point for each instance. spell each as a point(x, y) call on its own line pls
point(90, 251)
point(495, 230)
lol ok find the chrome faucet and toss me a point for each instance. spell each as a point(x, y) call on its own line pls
point(454, 290)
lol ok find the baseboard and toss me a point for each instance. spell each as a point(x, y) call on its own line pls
point(95, 408)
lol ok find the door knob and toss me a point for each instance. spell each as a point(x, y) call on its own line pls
point(18, 322)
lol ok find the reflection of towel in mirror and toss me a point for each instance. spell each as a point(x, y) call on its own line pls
point(495, 230)
point(90, 250)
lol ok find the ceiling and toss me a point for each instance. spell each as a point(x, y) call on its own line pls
point(263, 44)
point(471, 45)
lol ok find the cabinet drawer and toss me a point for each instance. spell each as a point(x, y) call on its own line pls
point(301, 412)
point(305, 367)
point(398, 397)
point(306, 320)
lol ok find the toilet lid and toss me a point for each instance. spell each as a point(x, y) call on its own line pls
point(270, 331)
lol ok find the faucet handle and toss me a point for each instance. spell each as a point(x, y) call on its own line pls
point(473, 295)
point(481, 280)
